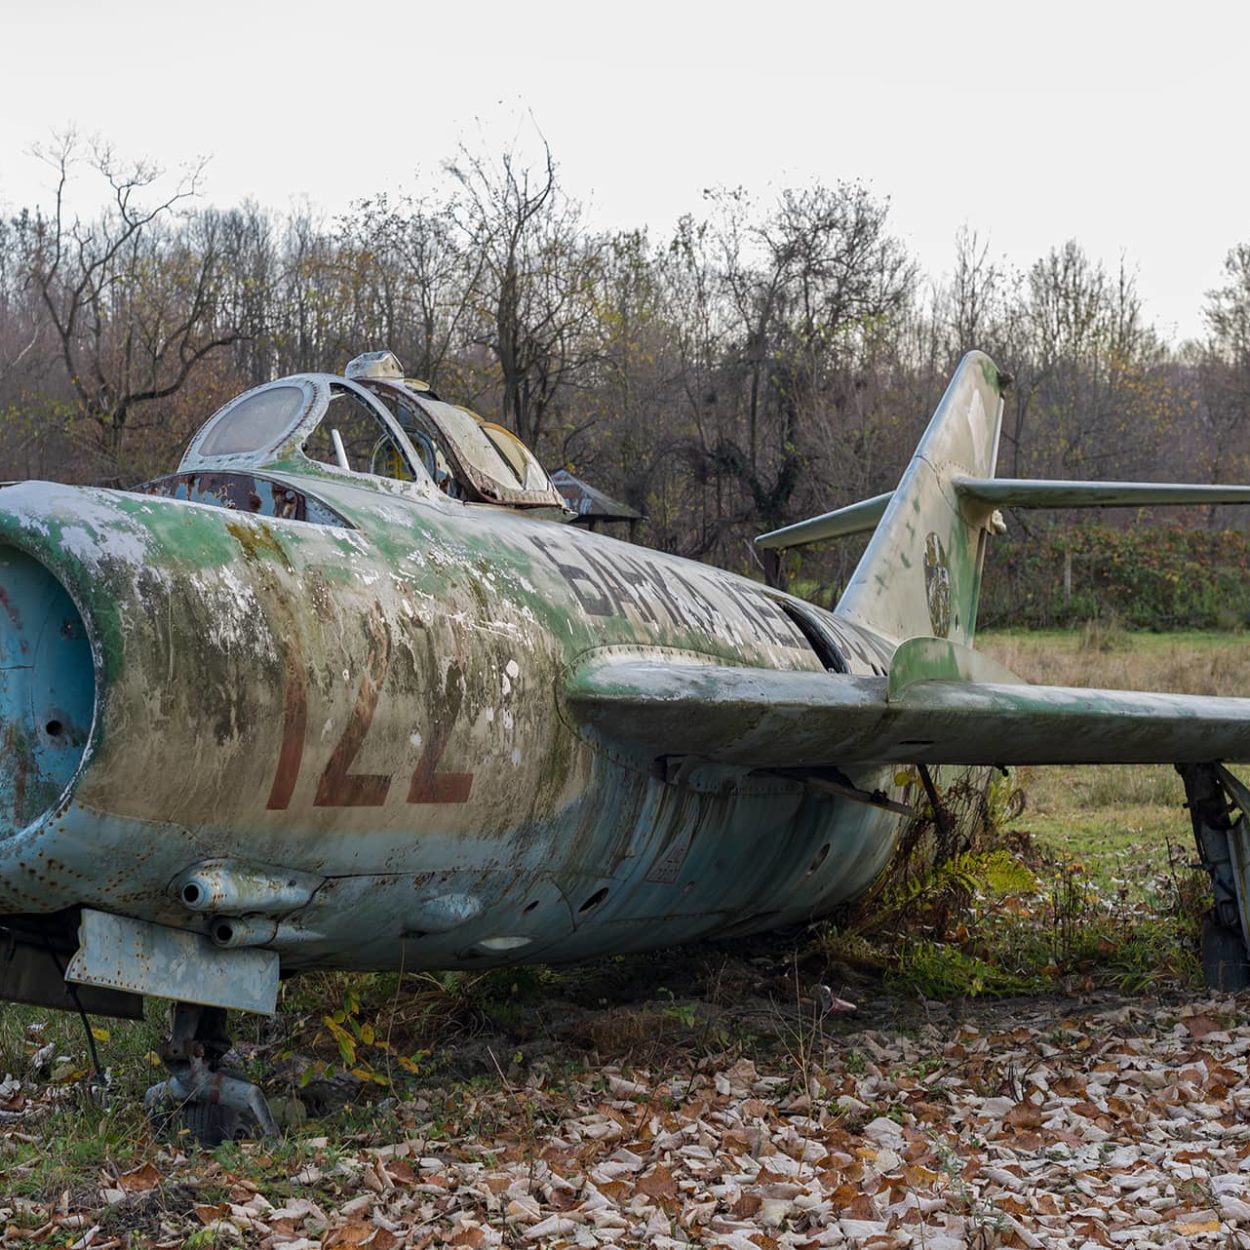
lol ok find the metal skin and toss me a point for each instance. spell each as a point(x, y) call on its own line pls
point(356, 723)
point(378, 707)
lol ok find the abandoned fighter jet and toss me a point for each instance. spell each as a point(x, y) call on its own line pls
point(344, 691)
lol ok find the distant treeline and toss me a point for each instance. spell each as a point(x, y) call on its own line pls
point(1155, 577)
point(765, 362)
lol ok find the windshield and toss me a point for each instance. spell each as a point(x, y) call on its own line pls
point(529, 474)
point(254, 421)
point(500, 466)
point(426, 440)
point(377, 427)
point(352, 436)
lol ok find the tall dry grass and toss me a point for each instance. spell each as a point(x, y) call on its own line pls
point(1114, 659)
point(1109, 657)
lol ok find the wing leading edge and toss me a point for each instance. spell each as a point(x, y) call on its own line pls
point(764, 718)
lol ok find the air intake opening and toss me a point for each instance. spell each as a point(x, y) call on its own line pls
point(818, 636)
point(47, 690)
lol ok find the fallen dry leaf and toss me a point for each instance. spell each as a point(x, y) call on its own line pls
point(140, 1180)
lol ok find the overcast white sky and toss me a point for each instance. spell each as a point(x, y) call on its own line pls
point(1122, 125)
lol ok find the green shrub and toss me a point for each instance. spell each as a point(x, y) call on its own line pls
point(1147, 577)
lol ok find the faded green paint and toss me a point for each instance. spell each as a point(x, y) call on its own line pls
point(1005, 492)
point(862, 517)
point(195, 612)
point(938, 659)
point(887, 591)
point(856, 518)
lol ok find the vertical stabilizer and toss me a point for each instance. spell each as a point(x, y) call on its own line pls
point(921, 573)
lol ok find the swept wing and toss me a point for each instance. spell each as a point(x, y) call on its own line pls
point(934, 708)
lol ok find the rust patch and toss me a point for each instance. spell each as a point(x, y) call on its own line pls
point(14, 615)
point(287, 504)
point(339, 787)
point(294, 720)
point(255, 539)
point(236, 491)
point(428, 785)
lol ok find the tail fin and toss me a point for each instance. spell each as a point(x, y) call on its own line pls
point(921, 573)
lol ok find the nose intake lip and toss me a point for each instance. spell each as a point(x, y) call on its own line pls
point(47, 690)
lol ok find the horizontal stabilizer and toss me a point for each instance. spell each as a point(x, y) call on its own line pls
point(1009, 492)
point(764, 718)
point(856, 518)
point(1023, 492)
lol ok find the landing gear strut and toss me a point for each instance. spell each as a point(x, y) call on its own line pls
point(1218, 805)
point(212, 1105)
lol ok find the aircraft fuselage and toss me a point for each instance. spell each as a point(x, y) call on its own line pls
point(370, 711)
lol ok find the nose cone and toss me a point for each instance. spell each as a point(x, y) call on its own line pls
point(47, 690)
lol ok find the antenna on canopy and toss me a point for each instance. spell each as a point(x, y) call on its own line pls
point(340, 452)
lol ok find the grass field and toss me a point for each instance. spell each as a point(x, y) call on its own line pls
point(1119, 819)
point(1187, 662)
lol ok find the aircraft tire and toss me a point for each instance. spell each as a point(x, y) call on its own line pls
point(210, 1123)
point(1224, 962)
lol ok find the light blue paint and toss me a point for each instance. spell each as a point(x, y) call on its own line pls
point(47, 690)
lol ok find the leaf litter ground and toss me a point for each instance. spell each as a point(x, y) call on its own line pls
point(1095, 1121)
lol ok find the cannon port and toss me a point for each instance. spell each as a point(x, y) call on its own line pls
point(47, 690)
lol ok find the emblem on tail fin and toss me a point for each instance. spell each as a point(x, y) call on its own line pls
point(937, 585)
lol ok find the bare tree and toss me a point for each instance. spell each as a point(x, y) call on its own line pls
point(975, 289)
point(1224, 369)
point(809, 288)
point(132, 297)
point(1090, 394)
point(767, 362)
point(539, 272)
point(419, 277)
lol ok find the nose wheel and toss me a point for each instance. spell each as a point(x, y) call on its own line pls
point(206, 1101)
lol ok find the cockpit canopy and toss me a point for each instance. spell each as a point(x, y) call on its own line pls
point(376, 423)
